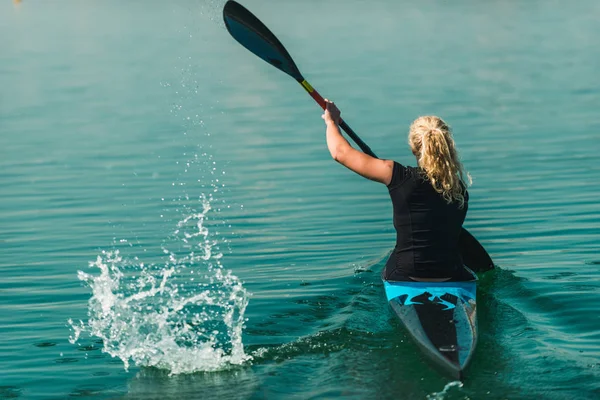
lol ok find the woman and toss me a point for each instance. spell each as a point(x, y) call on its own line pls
point(430, 201)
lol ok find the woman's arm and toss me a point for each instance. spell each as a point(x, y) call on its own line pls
point(369, 167)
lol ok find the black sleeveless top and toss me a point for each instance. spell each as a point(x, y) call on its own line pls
point(427, 228)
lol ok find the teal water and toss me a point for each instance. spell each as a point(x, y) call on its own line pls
point(173, 226)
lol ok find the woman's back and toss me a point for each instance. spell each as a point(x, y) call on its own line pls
point(427, 227)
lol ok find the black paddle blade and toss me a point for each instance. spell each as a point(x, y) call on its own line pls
point(474, 255)
point(256, 37)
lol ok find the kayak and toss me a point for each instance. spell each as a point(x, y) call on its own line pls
point(441, 317)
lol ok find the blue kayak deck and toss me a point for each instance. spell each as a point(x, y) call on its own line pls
point(466, 290)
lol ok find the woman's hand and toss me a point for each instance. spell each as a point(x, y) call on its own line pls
point(332, 113)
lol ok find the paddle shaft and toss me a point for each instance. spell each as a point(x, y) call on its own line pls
point(319, 99)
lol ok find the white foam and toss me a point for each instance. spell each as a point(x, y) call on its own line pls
point(441, 395)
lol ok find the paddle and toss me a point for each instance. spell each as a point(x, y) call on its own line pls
point(251, 33)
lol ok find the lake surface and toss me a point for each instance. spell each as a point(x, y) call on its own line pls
point(174, 228)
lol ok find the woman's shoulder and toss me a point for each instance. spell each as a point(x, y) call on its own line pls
point(408, 169)
point(401, 172)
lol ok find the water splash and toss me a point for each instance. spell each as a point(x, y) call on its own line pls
point(185, 314)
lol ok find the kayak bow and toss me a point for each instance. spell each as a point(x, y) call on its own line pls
point(441, 317)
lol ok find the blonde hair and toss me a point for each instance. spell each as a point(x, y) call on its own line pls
point(431, 141)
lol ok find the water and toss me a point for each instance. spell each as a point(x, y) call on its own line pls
point(172, 197)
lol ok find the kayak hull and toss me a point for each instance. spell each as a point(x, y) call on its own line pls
point(440, 317)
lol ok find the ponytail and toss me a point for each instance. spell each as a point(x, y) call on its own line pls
point(431, 142)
